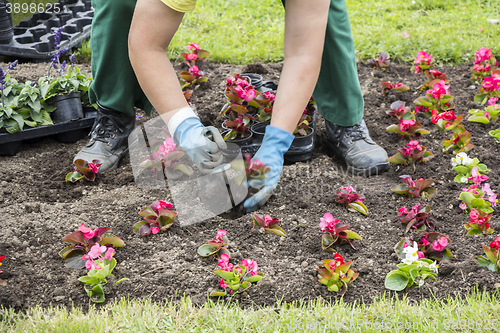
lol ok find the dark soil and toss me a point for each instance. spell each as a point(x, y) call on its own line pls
point(37, 208)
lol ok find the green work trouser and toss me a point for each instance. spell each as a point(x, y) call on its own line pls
point(337, 93)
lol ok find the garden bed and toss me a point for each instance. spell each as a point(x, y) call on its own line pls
point(38, 208)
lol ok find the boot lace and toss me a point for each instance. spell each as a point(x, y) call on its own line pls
point(355, 132)
point(105, 128)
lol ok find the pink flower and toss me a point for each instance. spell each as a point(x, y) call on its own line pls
point(482, 54)
point(328, 223)
point(492, 100)
point(421, 255)
point(406, 35)
point(495, 244)
point(193, 47)
point(230, 81)
point(93, 168)
point(191, 56)
point(417, 69)
point(89, 264)
point(242, 82)
point(220, 234)
point(440, 244)
point(411, 146)
point(224, 264)
point(96, 250)
point(463, 206)
point(85, 257)
point(405, 125)
point(492, 196)
point(155, 230)
point(251, 266)
point(423, 57)
point(222, 283)
point(161, 205)
point(402, 211)
point(338, 258)
point(424, 241)
point(246, 93)
point(439, 89)
point(476, 177)
point(87, 232)
point(269, 95)
point(194, 70)
point(109, 253)
point(490, 83)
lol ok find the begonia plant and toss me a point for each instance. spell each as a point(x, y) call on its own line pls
point(353, 201)
point(2, 282)
point(158, 217)
point(241, 96)
point(336, 274)
point(413, 270)
point(387, 86)
point(432, 245)
point(236, 278)
point(195, 55)
point(463, 164)
point(492, 259)
point(249, 169)
point(192, 78)
point(433, 77)
point(479, 223)
point(84, 170)
point(266, 103)
point(459, 142)
point(490, 88)
point(82, 241)
point(495, 134)
point(218, 244)
point(382, 62)
point(446, 120)
point(336, 233)
point(417, 218)
point(408, 127)
point(100, 263)
point(420, 188)
point(268, 223)
point(399, 110)
point(486, 116)
point(423, 61)
point(482, 198)
point(437, 97)
point(238, 127)
point(302, 127)
point(411, 155)
point(484, 64)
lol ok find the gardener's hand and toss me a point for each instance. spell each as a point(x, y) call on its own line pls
point(275, 144)
point(202, 144)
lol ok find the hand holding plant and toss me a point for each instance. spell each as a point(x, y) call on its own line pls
point(268, 223)
point(336, 233)
point(218, 244)
point(353, 201)
point(84, 169)
point(492, 259)
point(420, 188)
point(336, 275)
point(250, 169)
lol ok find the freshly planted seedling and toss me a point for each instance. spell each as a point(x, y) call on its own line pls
point(336, 274)
point(409, 274)
point(382, 62)
point(408, 127)
point(411, 155)
point(490, 88)
point(2, 282)
point(446, 120)
point(423, 61)
point(479, 223)
point(218, 244)
point(387, 86)
point(433, 245)
point(192, 78)
point(400, 111)
point(83, 240)
point(100, 263)
point(353, 201)
point(495, 134)
point(432, 77)
point(84, 170)
point(417, 218)
point(492, 259)
point(459, 142)
point(336, 233)
point(268, 223)
point(463, 164)
point(420, 188)
point(486, 116)
point(157, 218)
point(238, 278)
point(484, 64)
point(437, 97)
point(195, 55)
point(249, 169)
point(476, 198)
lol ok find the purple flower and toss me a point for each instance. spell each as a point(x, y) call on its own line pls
point(13, 64)
point(72, 59)
point(57, 38)
point(63, 66)
point(33, 83)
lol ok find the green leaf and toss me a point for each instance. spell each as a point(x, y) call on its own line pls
point(138, 225)
point(88, 280)
point(259, 276)
point(74, 176)
point(121, 280)
point(327, 241)
point(218, 294)
point(207, 250)
point(277, 230)
point(111, 239)
point(396, 280)
point(352, 235)
point(359, 207)
point(225, 275)
point(67, 250)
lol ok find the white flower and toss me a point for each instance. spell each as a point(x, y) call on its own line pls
point(434, 267)
point(411, 253)
point(461, 159)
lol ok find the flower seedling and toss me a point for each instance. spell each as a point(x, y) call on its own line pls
point(84, 169)
point(463, 164)
point(432, 77)
point(2, 282)
point(411, 155)
point(382, 62)
point(268, 223)
point(423, 61)
point(408, 127)
point(157, 218)
point(238, 278)
point(83, 239)
point(492, 259)
point(437, 97)
point(475, 198)
point(409, 274)
point(495, 134)
point(167, 159)
point(399, 110)
point(335, 233)
point(348, 197)
point(238, 127)
point(336, 274)
point(484, 64)
point(266, 103)
point(489, 88)
point(417, 218)
point(195, 55)
point(420, 188)
point(446, 120)
point(249, 168)
point(432, 245)
point(479, 223)
point(302, 128)
point(192, 78)
point(217, 245)
point(459, 142)
point(241, 96)
point(387, 86)
point(100, 263)
point(486, 116)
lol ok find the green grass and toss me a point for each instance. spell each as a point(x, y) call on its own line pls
point(143, 316)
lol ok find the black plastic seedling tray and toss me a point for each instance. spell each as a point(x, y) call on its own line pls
point(34, 36)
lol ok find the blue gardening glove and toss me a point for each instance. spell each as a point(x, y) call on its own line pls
point(275, 144)
point(202, 144)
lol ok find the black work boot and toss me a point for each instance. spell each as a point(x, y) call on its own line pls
point(108, 138)
point(354, 145)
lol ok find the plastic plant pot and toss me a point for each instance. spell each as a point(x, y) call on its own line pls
point(68, 108)
point(301, 148)
point(10, 148)
point(234, 147)
point(258, 130)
